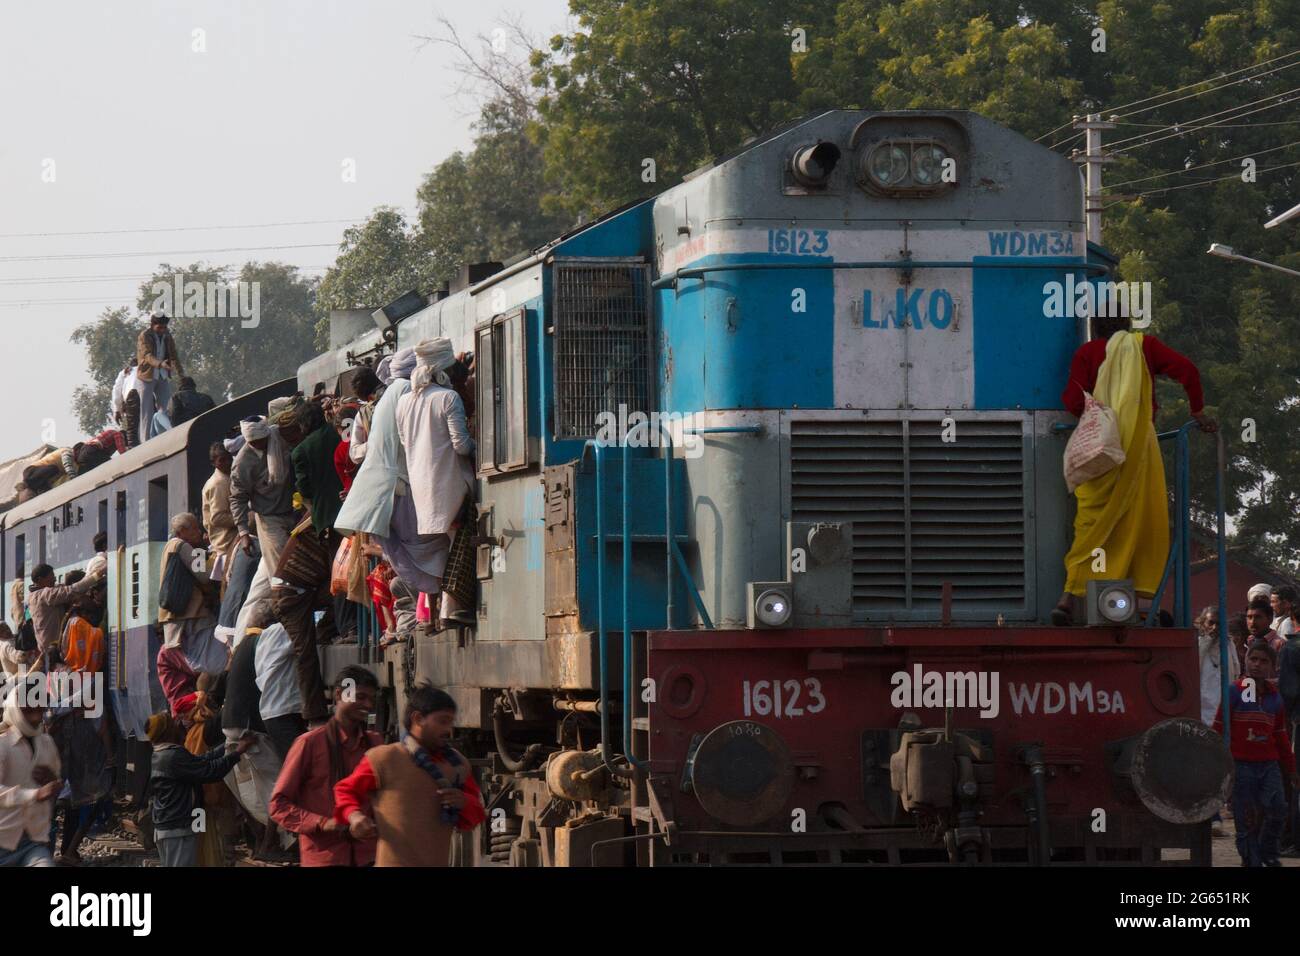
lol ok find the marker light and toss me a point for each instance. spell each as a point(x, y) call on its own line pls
point(772, 608)
point(927, 164)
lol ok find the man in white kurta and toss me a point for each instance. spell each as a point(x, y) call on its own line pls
point(368, 506)
point(435, 437)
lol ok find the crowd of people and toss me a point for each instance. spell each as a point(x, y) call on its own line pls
point(1263, 661)
point(314, 513)
point(143, 406)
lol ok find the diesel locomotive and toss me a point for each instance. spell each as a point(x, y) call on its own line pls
point(771, 519)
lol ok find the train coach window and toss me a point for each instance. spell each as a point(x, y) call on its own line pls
point(20, 556)
point(501, 397)
point(40, 544)
point(601, 316)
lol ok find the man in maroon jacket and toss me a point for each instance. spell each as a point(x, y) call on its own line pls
point(303, 801)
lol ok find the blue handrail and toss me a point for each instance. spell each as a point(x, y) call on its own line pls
point(673, 555)
point(1179, 565)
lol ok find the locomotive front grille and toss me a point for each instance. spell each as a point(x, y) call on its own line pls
point(924, 510)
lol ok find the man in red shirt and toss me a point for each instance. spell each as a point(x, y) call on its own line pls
point(415, 794)
point(303, 801)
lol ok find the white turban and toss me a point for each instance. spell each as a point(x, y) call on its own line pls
point(381, 370)
point(277, 405)
point(14, 715)
point(1257, 590)
point(232, 445)
point(403, 364)
point(255, 430)
point(432, 356)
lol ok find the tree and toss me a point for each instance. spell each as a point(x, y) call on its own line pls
point(110, 343)
point(487, 205)
point(378, 261)
point(677, 82)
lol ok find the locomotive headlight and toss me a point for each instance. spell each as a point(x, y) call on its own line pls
point(887, 165)
point(1111, 602)
point(772, 608)
point(770, 604)
point(927, 164)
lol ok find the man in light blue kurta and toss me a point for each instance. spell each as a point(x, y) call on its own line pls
point(369, 504)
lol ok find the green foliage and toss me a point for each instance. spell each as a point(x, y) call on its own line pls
point(378, 261)
point(109, 343)
point(486, 205)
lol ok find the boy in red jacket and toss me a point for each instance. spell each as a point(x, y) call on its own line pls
point(1260, 744)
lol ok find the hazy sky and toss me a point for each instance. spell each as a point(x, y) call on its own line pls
point(145, 133)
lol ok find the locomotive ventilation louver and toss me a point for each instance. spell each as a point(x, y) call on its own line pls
point(960, 505)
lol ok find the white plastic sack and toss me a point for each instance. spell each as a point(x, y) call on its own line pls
point(1095, 447)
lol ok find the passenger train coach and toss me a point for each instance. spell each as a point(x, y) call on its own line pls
point(794, 605)
point(131, 498)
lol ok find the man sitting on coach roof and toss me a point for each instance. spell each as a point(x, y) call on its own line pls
point(187, 403)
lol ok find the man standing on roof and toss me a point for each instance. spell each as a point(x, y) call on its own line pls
point(158, 360)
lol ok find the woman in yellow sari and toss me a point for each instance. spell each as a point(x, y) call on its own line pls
point(1121, 527)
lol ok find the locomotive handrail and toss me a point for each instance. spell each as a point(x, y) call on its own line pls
point(1180, 549)
point(698, 272)
point(673, 553)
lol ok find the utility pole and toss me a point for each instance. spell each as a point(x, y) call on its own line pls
point(1092, 125)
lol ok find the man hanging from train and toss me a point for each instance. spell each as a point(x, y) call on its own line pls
point(48, 603)
point(321, 489)
point(1124, 512)
point(187, 604)
point(439, 459)
point(261, 484)
point(217, 519)
point(157, 361)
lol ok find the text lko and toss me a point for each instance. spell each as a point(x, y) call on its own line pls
point(75, 908)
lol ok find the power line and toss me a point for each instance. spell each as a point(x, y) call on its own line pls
point(1209, 182)
point(1159, 126)
point(166, 252)
point(55, 280)
point(1191, 122)
point(1215, 89)
point(115, 232)
point(1180, 89)
point(1217, 162)
point(1192, 129)
point(1224, 76)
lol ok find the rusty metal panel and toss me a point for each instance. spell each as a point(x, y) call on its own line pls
point(561, 570)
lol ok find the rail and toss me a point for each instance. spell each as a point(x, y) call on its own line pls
point(698, 272)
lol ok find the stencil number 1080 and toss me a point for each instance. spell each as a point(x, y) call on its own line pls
point(782, 698)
